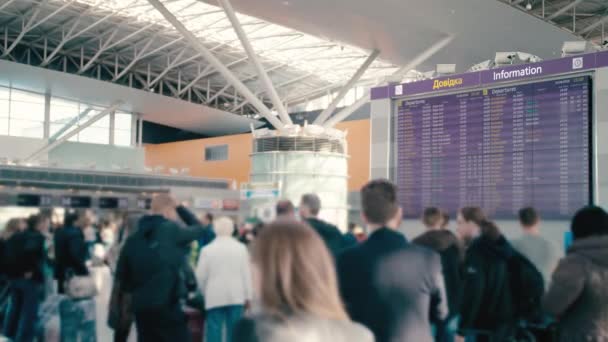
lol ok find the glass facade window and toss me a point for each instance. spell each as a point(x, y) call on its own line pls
point(122, 129)
point(22, 114)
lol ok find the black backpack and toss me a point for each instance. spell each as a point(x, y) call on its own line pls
point(13, 254)
point(527, 287)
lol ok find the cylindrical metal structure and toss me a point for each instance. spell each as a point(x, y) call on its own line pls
point(305, 163)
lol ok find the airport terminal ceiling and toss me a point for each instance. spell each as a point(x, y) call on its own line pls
point(128, 42)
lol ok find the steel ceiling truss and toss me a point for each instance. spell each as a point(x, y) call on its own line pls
point(585, 18)
point(72, 37)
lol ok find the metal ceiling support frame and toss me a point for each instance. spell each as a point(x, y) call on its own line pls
point(564, 9)
point(595, 25)
point(270, 90)
point(52, 144)
point(351, 82)
point(217, 64)
point(421, 58)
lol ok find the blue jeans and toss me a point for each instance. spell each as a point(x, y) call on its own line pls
point(22, 312)
point(220, 317)
point(78, 320)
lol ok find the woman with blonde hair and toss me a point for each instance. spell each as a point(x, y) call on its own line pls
point(297, 290)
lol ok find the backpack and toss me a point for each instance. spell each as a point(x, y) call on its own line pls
point(527, 287)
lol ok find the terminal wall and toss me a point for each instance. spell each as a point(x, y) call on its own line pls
point(191, 154)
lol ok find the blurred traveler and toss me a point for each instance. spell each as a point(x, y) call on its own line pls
point(25, 257)
point(350, 239)
point(540, 251)
point(224, 277)
point(578, 295)
point(499, 286)
point(77, 315)
point(295, 281)
point(120, 313)
point(451, 251)
point(13, 226)
point(445, 224)
point(387, 284)
point(285, 210)
point(150, 267)
point(468, 221)
point(209, 234)
point(310, 206)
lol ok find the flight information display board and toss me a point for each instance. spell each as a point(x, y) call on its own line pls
point(500, 149)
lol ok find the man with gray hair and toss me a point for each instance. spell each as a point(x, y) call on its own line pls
point(310, 206)
point(224, 276)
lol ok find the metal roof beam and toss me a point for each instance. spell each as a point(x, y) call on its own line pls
point(564, 9)
point(421, 58)
point(351, 82)
point(197, 44)
point(595, 25)
point(238, 29)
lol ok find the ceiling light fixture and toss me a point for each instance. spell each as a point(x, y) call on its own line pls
point(529, 6)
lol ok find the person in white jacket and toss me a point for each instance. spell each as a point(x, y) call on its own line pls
point(224, 276)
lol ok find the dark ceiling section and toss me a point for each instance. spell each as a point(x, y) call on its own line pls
point(159, 134)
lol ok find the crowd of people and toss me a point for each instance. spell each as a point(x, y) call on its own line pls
point(300, 278)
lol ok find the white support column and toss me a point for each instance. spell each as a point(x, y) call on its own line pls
point(51, 145)
point(271, 91)
point(112, 126)
point(134, 125)
point(217, 64)
point(47, 115)
point(332, 106)
point(140, 130)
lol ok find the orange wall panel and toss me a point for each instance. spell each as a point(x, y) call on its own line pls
point(191, 154)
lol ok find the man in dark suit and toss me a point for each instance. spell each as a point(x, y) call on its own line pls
point(151, 268)
point(310, 206)
point(388, 285)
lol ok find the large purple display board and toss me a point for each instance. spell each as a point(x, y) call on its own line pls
point(500, 149)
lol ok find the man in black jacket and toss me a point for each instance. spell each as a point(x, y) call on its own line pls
point(310, 206)
point(71, 251)
point(451, 252)
point(151, 268)
point(27, 256)
point(388, 285)
point(488, 305)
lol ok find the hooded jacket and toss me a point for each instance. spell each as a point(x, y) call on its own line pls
point(578, 296)
point(487, 300)
point(451, 251)
point(151, 261)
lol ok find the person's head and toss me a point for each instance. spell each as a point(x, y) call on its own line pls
point(13, 226)
point(351, 227)
point(469, 221)
point(70, 219)
point(164, 205)
point(310, 206)
point(446, 221)
point(130, 223)
point(207, 219)
point(84, 219)
point(285, 209)
point(223, 226)
point(529, 219)
point(39, 223)
point(489, 230)
point(432, 218)
point(589, 221)
point(294, 272)
point(379, 204)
